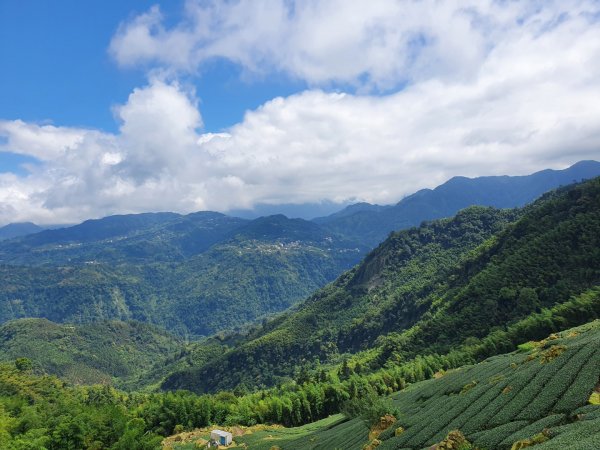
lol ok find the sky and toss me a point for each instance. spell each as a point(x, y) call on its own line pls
point(135, 106)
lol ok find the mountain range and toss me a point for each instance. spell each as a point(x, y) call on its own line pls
point(13, 230)
point(197, 274)
point(372, 223)
point(193, 275)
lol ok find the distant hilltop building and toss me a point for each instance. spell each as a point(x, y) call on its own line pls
point(221, 437)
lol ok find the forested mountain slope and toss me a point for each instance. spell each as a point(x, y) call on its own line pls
point(372, 223)
point(427, 290)
point(205, 272)
point(193, 275)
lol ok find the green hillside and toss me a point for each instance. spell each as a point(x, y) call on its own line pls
point(103, 352)
point(427, 290)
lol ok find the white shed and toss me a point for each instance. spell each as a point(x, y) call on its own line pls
point(221, 437)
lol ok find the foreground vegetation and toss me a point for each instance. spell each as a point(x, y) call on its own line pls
point(553, 377)
point(540, 395)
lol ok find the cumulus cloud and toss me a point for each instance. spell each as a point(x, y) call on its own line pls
point(519, 97)
point(378, 44)
point(43, 142)
point(89, 173)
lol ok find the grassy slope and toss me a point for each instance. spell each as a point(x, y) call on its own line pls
point(105, 352)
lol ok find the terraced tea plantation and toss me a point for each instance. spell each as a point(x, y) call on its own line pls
point(539, 396)
point(541, 392)
point(336, 432)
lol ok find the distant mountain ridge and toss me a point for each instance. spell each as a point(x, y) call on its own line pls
point(373, 222)
point(203, 272)
point(362, 220)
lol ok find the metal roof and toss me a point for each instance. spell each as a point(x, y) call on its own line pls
point(221, 433)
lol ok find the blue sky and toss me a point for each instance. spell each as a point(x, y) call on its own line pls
point(132, 106)
point(58, 69)
point(53, 53)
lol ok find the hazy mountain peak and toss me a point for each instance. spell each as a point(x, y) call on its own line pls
point(18, 229)
point(373, 224)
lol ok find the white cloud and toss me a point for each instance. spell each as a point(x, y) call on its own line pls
point(520, 97)
point(44, 142)
point(88, 173)
point(373, 45)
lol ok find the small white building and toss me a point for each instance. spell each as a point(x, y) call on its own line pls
point(221, 437)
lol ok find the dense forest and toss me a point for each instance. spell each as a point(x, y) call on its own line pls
point(172, 271)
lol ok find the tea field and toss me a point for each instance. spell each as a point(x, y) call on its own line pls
point(509, 398)
point(336, 432)
point(539, 394)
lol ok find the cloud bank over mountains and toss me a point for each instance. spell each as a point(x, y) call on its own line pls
point(403, 95)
